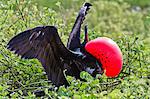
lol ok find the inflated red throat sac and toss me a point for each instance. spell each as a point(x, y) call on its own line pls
point(108, 53)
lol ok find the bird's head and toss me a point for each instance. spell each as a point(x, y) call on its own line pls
point(107, 52)
point(85, 8)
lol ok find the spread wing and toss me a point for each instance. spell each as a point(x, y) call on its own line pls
point(44, 44)
point(74, 37)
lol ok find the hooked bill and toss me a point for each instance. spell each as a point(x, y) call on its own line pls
point(108, 53)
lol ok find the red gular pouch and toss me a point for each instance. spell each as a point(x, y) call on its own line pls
point(108, 53)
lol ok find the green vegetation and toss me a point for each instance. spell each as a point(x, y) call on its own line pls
point(117, 19)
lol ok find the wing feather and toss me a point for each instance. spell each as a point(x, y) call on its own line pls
point(44, 44)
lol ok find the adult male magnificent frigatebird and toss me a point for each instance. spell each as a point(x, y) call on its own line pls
point(44, 44)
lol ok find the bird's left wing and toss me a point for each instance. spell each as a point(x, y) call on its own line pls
point(44, 44)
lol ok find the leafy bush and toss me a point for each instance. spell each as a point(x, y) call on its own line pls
point(115, 19)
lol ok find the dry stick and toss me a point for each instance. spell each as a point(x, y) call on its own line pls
point(118, 81)
point(37, 83)
point(26, 88)
point(107, 86)
point(140, 63)
point(128, 54)
point(21, 10)
point(15, 21)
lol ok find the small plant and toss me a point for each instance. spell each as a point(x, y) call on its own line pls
point(20, 78)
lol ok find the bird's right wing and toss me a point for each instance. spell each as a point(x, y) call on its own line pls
point(44, 44)
point(74, 38)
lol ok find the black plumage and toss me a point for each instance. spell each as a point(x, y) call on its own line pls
point(45, 44)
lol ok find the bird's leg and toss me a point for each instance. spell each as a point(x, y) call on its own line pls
point(74, 38)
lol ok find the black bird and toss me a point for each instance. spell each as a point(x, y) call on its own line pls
point(44, 44)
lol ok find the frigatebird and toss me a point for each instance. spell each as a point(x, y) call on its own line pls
point(44, 44)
